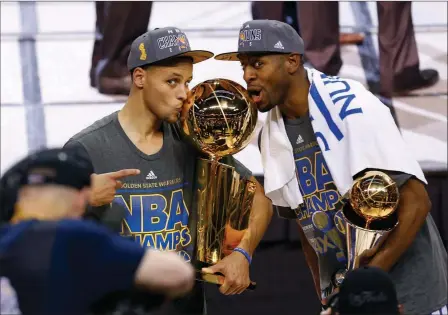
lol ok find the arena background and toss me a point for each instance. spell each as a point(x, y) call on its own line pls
point(46, 98)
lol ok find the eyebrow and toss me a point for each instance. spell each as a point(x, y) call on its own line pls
point(180, 75)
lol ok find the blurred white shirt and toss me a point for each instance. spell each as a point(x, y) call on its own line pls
point(8, 298)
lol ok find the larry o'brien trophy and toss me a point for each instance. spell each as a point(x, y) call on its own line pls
point(370, 216)
point(220, 122)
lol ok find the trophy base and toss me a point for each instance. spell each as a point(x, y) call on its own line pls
point(210, 278)
point(214, 278)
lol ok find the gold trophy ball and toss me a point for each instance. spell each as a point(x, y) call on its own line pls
point(374, 196)
point(221, 119)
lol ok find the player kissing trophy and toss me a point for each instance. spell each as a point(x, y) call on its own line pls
point(220, 122)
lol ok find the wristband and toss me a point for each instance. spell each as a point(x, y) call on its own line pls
point(242, 251)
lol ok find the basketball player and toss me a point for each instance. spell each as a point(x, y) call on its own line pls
point(141, 164)
point(414, 254)
point(59, 264)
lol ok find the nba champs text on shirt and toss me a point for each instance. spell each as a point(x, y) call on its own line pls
point(158, 215)
point(157, 201)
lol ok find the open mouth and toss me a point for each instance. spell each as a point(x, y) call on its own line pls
point(255, 94)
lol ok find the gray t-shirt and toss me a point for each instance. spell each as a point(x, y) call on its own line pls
point(421, 273)
point(158, 201)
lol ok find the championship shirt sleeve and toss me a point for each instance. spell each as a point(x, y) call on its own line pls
point(108, 215)
point(95, 260)
point(74, 144)
point(399, 178)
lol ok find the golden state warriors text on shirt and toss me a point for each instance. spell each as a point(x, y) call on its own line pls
point(158, 215)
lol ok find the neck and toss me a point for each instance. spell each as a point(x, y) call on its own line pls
point(135, 118)
point(296, 103)
point(38, 211)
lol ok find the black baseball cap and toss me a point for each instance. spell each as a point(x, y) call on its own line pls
point(265, 36)
point(160, 44)
point(66, 167)
point(366, 290)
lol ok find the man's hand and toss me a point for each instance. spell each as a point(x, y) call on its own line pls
point(105, 185)
point(326, 312)
point(311, 259)
point(412, 211)
point(166, 273)
point(235, 268)
point(328, 298)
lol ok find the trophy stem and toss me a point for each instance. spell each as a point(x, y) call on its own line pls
point(223, 203)
point(368, 221)
point(212, 197)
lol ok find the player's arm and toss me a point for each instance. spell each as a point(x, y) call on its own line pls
point(311, 259)
point(259, 220)
point(261, 212)
point(100, 262)
point(412, 211)
point(164, 272)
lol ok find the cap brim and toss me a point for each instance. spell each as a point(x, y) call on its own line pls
point(231, 56)
point(197, 55)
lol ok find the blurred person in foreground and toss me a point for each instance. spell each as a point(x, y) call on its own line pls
point(322, 133)
point(143, 166)
point(58, 263)
point(365, 291)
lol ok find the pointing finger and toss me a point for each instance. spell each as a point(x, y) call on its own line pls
point(123, 173)
point(118, 184)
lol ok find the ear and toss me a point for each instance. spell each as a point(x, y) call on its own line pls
point(139, 77)
point(293, 63)
point(82, 201)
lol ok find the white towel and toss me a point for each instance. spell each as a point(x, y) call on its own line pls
point(354, 130)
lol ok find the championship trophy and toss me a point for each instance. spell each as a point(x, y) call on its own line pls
point(370, 216)
point(220, 122)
